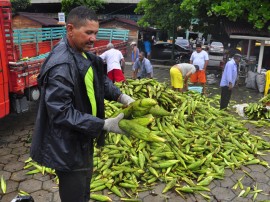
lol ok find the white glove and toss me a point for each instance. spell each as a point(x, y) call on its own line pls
point(111, 124)
point(125, 99)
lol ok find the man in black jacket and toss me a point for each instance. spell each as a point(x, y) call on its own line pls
point(71, 112)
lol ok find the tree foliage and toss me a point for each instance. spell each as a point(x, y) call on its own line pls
point(67, 5)
point(162, 14)
point(255, 12)
point(19, 5)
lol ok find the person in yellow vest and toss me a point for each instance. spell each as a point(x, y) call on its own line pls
point(71, 115)
point(267, 84)
point(180, 74)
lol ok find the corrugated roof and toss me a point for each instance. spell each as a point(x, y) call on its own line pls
point(123, 20)
point(129, 22)
point(242, 28)
point(41, 18)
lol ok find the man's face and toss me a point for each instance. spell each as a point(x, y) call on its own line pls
point(198, 49)
point(141, 57)
point(82, 38)
point(237, 60)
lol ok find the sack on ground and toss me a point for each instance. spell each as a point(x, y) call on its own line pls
point(260, 80)
point(211, 79)
point(251, 80)
point(239, 109)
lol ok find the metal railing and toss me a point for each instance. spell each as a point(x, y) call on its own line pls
point(39, 36)
point(44, 34)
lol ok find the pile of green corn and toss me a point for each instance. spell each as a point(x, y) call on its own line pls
point(196, 143)
point(257, 111)
point(260, 110)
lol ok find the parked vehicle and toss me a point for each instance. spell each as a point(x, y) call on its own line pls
point(183, 43)
point(216, 47)
point(216, 56)
point(216, 62)
point(24, 51)
point(162, 51)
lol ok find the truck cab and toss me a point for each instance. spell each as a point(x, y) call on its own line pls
point(22, 52)
point(5, 28)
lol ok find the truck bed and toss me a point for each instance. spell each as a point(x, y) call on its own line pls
point(23, 73)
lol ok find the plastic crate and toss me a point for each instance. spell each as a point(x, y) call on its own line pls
point(196, 88)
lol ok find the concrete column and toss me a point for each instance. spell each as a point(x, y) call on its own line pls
point(249, 47)
point(187, 34)
point(261, 56)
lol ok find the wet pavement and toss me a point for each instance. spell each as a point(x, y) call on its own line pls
point(15, 138)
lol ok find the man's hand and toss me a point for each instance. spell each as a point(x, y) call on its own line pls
point(125, 99)
point(230, 86)
point(185, 87)
point(112, 124)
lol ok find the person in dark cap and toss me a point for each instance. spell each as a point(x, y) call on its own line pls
point(228, 80)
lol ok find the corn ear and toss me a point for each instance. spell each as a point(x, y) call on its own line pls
point(169, 185)
point(100, 197)
point(3, 185)
point(158, 111)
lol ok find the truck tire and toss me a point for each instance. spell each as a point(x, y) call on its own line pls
point(32, 94)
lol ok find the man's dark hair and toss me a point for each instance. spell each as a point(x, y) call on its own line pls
point(80, 14)
point(142, 53)
point(198, 45)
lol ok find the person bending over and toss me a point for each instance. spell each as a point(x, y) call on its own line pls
point(180, 74)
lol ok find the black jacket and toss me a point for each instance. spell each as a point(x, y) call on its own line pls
point(65, 129)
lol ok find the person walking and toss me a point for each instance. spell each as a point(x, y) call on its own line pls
point(200, 58)
point(228, 80)
point(134, 52)
point(71, 113)
point(180, 71)
point(115, 63)
point(145, 67)
point(147, 48)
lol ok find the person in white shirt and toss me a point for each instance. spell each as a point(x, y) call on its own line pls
point(200, 58)
point(180, 71)
point(113, 57)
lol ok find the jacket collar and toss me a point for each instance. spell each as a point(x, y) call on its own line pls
point(233, 61)
point(82, 62)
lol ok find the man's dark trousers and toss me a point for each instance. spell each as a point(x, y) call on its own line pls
point(225, 97)
point(75, 185)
